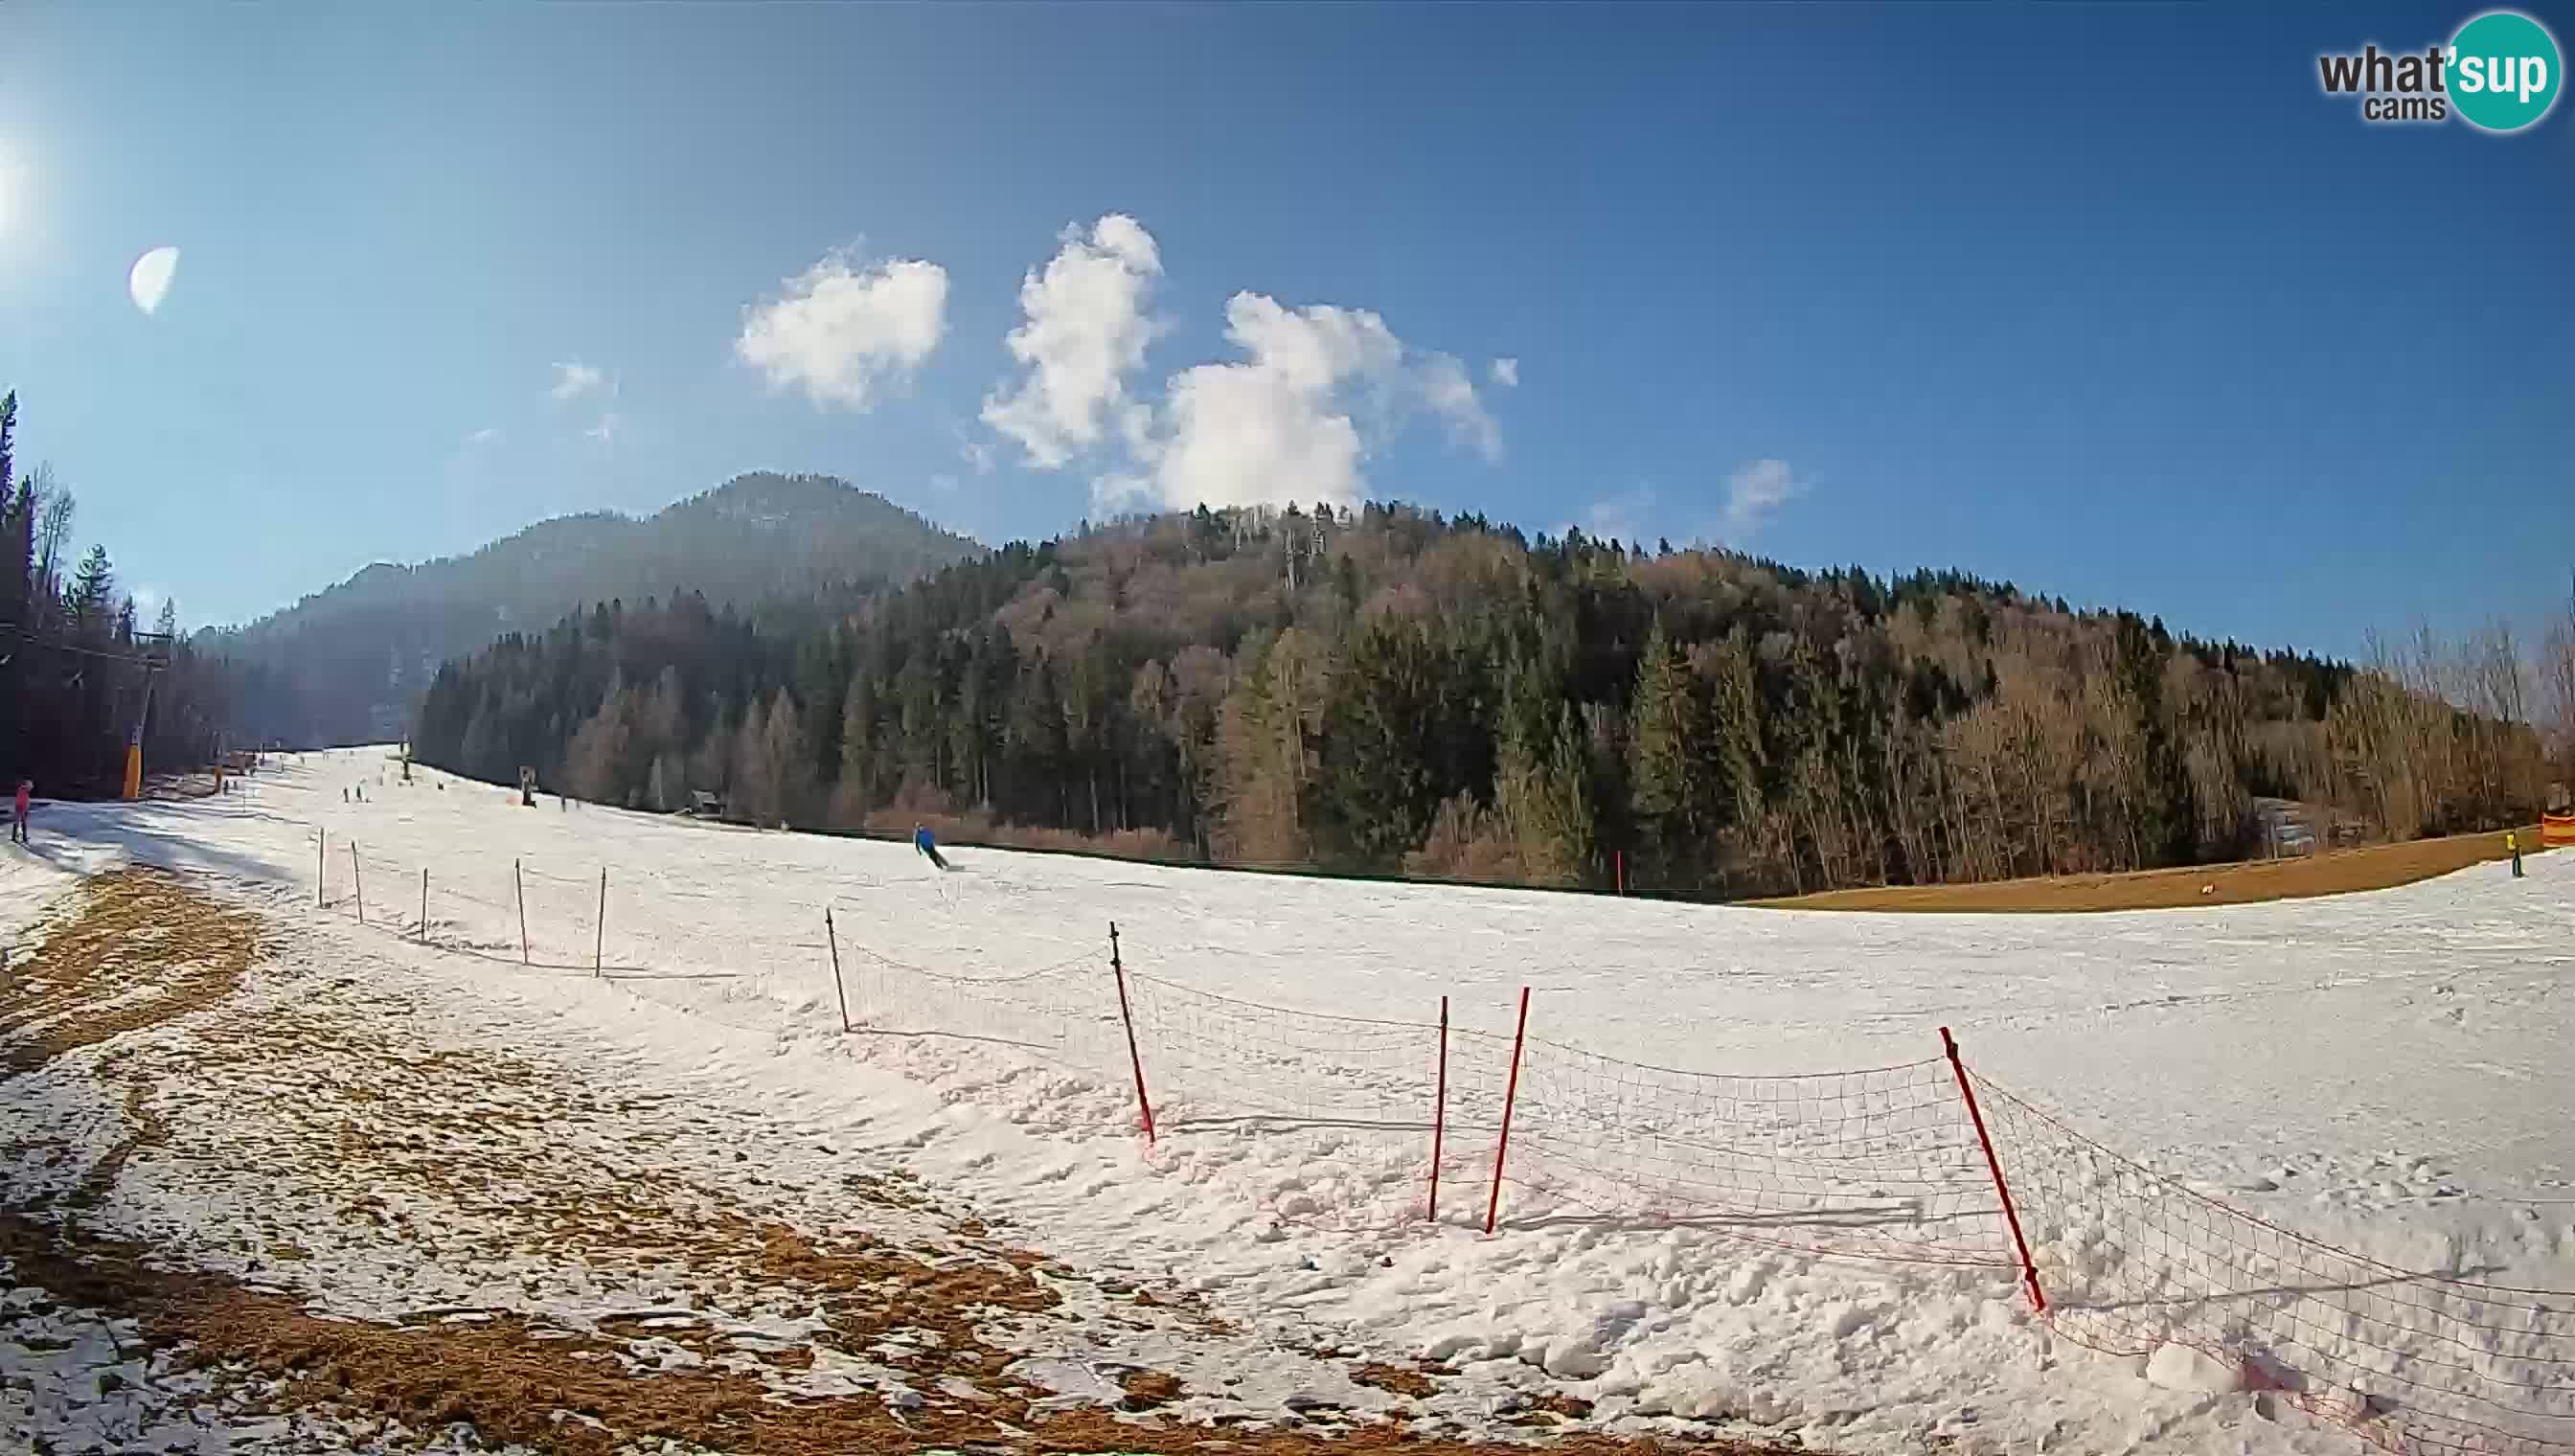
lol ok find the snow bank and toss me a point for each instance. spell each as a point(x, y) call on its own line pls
point(2382, 1073)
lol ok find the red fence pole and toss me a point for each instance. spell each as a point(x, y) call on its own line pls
point(833, 939)
point(1510, 1096)
point(1127, 1014)
point(1622, 870)
point(2028, 1270)
point(1439, 1111)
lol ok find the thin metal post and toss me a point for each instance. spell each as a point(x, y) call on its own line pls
point(1439, 1111)
point(832, 938)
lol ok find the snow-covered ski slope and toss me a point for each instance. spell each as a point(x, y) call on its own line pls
point(1741, 1185)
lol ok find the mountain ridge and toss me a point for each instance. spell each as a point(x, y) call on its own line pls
point(354, 655)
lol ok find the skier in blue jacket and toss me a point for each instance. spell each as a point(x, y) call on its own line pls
point(929, 847)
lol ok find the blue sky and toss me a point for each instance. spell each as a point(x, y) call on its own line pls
point(2107, 300)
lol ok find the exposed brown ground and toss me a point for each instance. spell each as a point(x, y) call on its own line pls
point(2375, 867)
point(434, 1123)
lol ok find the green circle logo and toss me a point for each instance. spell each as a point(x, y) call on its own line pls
point(2505, 71)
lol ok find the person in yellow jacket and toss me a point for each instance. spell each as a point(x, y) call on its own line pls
point(2512, 847)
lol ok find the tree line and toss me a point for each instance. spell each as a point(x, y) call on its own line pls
point(1388, 691)
point(75, 660)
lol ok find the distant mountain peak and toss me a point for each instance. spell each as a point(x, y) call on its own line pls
point(758, 537)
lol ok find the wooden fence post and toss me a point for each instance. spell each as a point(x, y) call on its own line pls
point(424, 904)
point(361, 878)
point(599, 929)
point(519, 881)
point(1127, 1015)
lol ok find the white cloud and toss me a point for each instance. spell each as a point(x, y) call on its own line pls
point(148, 281)
point(485, 436)
point(606, 431)
point(1753, 492)
point(1450, 395)
point(1620, 517)
point(572, 381)
point(1506, 373)
point(1085, 330)
point(1292, 422)
point(846, 331)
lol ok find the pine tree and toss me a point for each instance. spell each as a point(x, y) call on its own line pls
point(855, 793)
point(1376, 781)
point(17, 525)
point(1734, 730)
point(93, 590)
point(1543, 792)
point(784, 755)
point(753, 794)
point(1666, 785)
point(595, 761)
point(1035, 737)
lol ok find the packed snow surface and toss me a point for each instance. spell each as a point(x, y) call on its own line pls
point(2386, 1072)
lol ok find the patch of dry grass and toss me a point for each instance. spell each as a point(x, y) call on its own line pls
point(139, 934)
point(480, 1136)
point(2337, 871)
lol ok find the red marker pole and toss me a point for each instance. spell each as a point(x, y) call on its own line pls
point(1511, 1097)
point(1993, 1165)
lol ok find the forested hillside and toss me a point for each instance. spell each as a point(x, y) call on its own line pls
point(1388, 691)
point(75, 653)
point(355, 657)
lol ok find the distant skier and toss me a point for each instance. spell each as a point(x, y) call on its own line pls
point(929, 846)
point(18, 819)
point(2511, 846)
